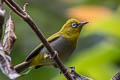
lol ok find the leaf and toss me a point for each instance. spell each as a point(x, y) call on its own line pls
point(9, 37)
point(6, 66)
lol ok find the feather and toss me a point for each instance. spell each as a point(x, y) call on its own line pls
point(37, 50)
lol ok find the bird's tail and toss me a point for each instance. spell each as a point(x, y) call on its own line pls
point(22, 66)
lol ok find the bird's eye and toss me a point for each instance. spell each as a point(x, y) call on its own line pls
point(74, 25)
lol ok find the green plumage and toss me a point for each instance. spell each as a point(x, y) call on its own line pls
point(61, 44)
point(64, 42)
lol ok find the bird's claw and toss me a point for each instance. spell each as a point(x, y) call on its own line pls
point(76, 76)
point(72, 69)
point(52, 56)
point(55, 54)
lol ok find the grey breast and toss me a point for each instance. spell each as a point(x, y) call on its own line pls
point(62, 46)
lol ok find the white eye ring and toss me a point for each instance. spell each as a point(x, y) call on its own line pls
point(74, 25)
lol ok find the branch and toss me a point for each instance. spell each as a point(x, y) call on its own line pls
point(117, 76)
point(18, 10)
point(2, 16)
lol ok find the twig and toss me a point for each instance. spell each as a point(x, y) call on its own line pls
point(117, 76)
point(2, 16)
point(24, 7)
point(15, 7)
point(1, 3)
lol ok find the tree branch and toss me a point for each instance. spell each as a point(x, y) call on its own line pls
point(18, 10)
point(117, 76)
point(2, 16)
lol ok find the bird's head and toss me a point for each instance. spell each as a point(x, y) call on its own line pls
point(72, 28)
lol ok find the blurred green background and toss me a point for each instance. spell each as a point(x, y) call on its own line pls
point(98, 51)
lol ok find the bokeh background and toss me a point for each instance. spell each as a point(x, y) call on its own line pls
point(98, 51)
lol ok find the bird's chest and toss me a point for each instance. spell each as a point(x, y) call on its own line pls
point(62, 46)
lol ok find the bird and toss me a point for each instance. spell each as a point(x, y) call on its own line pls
point(64, 42)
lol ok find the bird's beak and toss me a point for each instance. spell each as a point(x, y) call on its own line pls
point(83, 23)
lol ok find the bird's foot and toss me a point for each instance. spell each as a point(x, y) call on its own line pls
point(76, 76)
point(55, 54)
point(52, 56)
point(66, 71)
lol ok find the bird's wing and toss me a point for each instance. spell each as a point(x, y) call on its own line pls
point(36, 51)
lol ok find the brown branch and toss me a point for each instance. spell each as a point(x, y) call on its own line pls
point(24, 7)
point(15, 7)
point(117, 76)
point(1, 3)
point(2, 16)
